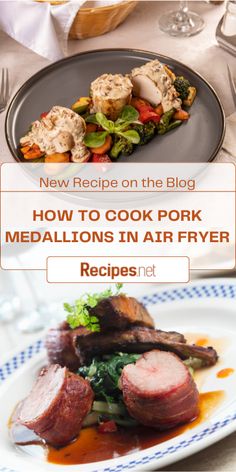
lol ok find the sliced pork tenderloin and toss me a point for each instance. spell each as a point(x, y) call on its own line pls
point(60, 345)
point(159, 391)
point(57, 405)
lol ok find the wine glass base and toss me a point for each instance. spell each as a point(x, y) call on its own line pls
point(175, 24)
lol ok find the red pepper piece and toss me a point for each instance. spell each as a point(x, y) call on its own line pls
point(149, 115)
point(107, 427)
point(100, 158)
point(44, 114)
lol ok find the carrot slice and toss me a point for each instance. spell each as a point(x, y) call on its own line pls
point(104, 148)
point(57, 157)
point(138, 102)
point(181, 115)
point(33, 154)
point(36, 147)
point(91, 128)
point(25, 149)
point(159, 110)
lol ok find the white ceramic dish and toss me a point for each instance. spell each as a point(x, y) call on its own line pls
point(206, 307)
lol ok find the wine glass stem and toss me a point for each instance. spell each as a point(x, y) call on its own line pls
point(182, 17)
point(183, 6)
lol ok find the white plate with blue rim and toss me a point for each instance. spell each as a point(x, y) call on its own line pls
point(204, 310)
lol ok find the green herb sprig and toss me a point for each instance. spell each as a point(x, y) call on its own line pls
point(119, 127)
point(79, 313)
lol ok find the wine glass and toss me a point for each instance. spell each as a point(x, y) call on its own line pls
point(42, 313)
point(181, 22)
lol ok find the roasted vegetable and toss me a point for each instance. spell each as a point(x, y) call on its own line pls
point(25, 149)
point(145, 116)
point(159, 110)
point(182, 86)
point(57, 157)
point(44, 114)
point(100, 158)
point(121, 146)
point(139, 103)
point(81, 105)
point(174, 124)
point(165, 121)
point(146, 131)
point(91, 128)
point(170, 73)
point(107, 427)
point(146, 111)
point(192, 92)
point(32, 152)
point(181, 115)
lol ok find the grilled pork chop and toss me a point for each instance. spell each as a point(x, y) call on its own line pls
point(139, 340)
point(121, 312)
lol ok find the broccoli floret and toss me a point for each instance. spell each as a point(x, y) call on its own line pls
point(146, 131)
point(182, 85)
point(121, 146)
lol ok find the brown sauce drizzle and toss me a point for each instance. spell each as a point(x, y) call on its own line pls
point(92, 446)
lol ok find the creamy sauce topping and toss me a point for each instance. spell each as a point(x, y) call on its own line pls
point(60, 131)
point(109, 86)
point(157, 74)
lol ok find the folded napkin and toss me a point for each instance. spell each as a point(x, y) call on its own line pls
point(42, 27)
point(228, 151)
point(39, 26)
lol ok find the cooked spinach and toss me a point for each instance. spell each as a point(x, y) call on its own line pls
point(104, 373)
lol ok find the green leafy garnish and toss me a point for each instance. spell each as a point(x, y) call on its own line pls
point(119, 128)
point(128, 113)
point(96, 139)
point(132, 136)
point(106, 124)
point(79, 314)
point(91, 119)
